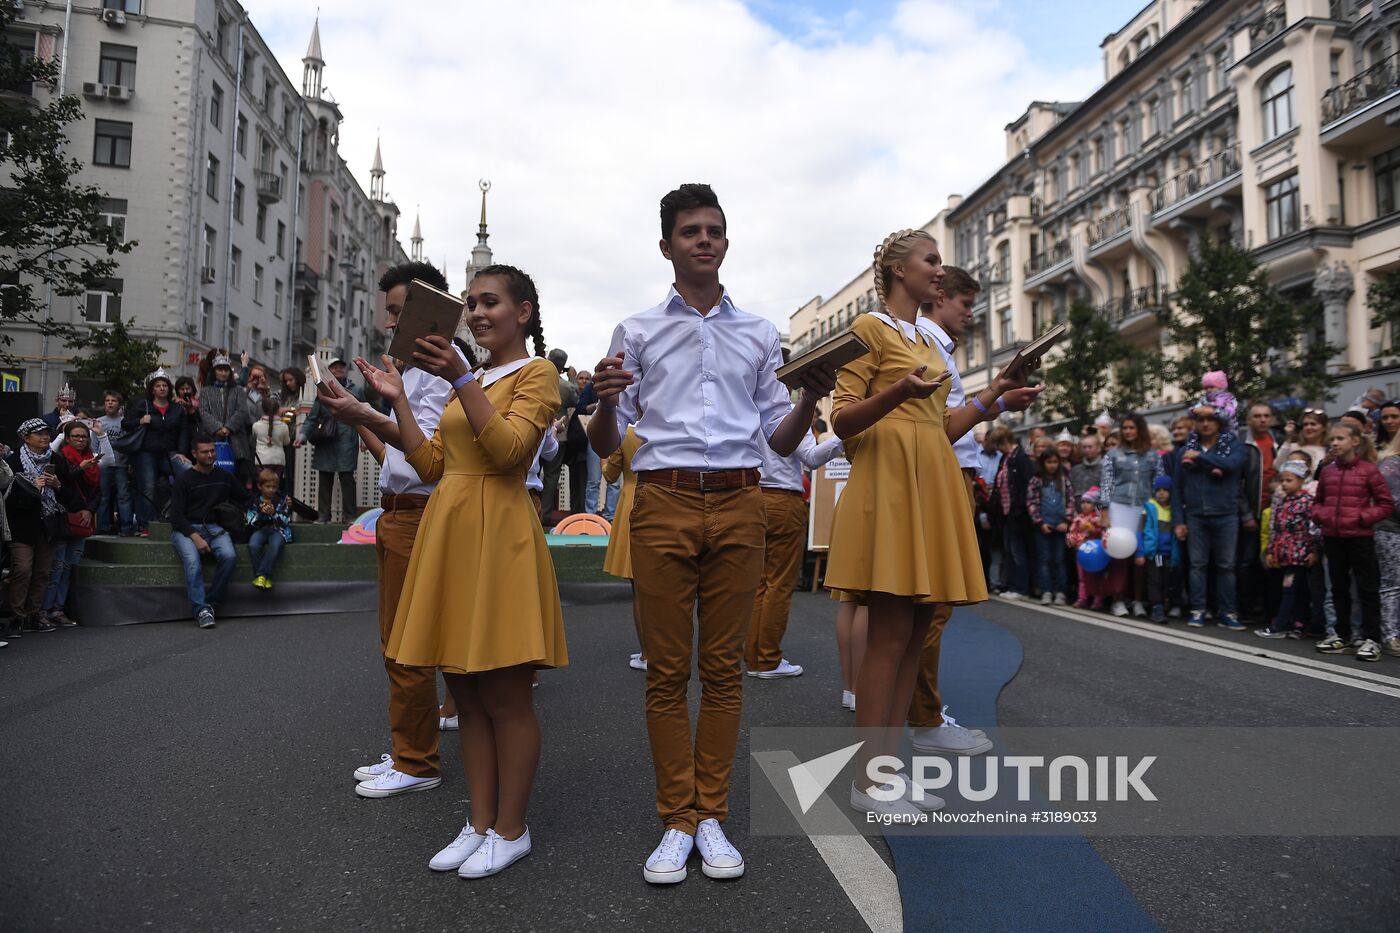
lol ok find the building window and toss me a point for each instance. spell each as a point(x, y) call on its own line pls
point(276, 349)
point(206, 319)
point(1387, 166)
point(113, 214)
point(281, 240)
point(267, 95)
point(1276, 99)
point(277, 298)
point(234, 326)
point(1008, 335)
point(112, 144)
point(1099, 164)
point(1186, 94)
point(238, 200)
point(211, 177)
point(216, 107)
point(1221, 65)
point(103, 302)
point(1335, 68)
point(235, 268)
point(260, 225)
point(1125, 140)
point(241, 136)
point(257, 283)
point(117, 65)
point(1281, 207)
point(210, 241)
point(255, 339)
point(1154, 116)
point(126, 6)
point(221, 37)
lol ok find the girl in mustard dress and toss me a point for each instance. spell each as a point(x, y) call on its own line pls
point(618, 560)
point(902, 538)
point(480, 601)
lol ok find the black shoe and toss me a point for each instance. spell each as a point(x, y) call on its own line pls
point(37, 623)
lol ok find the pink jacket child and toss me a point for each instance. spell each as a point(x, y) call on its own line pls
point(1087, 525)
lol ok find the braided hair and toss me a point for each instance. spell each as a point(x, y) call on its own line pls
point(895, 248)
point(522, 288)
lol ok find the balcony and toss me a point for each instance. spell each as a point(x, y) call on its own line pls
point(306, 279)
point(1380, 81)
point(1144, 300)
point(1197, 180)
point(1043, 261)
point(269, 188)
point(1109, 226)
point(1267, 26)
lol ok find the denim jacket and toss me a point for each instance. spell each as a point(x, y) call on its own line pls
point(1197, 491)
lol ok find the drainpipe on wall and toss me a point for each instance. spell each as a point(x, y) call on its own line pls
point(48, 299)
point(232, 181)
point(293, 312)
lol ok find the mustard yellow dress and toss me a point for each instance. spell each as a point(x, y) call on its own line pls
point(480, 592)
point(618, 560)
point(902, 525)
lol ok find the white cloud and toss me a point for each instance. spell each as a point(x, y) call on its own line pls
point(584, 114)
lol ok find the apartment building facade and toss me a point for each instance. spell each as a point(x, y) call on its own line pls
point(227, 175)
point(1274, 124)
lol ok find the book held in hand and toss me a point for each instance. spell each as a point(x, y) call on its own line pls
point(313, 366)
point(426, 311)
point(1033, 351)
point(836, 352)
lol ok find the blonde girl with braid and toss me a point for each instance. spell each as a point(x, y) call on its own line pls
point(903, 539)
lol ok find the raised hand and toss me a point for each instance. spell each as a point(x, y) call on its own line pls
point(387, 381)
point(348, 409)
point(610, 379)
point(1021, 399)
point(915, 386)
point(435, 354)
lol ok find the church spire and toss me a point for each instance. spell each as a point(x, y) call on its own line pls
point(416, 242)
point(481, 253)
point(376, 174)
point(313, 63)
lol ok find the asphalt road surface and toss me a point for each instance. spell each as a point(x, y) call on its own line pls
point(166, 778)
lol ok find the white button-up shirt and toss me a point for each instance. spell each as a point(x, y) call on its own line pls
point(427, 397)
point(965, 447)
point(705, 392)
point(779, 472)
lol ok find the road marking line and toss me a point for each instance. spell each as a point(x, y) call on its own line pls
point(868, 882)
point(1306, 667)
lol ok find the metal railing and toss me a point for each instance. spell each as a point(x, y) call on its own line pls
point(1267, 26)
point(1147, 298)
point(1216, 167)
point(269, 187)
point(1110, 225)
point(1372, 84)
point(1051, 257)
point(306, 278)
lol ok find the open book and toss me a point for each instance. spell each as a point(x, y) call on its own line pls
point(313, 366)
point(836, 352)
point(426, 311)
point(1033, 351)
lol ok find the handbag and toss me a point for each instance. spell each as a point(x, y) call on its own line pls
point(77, 529)
point(302, 509)
point(56, 526)
point(223, 455)
point(325, 429)
point(129, 443)
point(233, 521)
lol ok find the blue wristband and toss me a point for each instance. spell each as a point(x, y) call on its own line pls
point(463, 379)
point(1001, 403)
point(977, 404)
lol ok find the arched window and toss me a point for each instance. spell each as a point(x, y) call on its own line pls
point(1276, 101)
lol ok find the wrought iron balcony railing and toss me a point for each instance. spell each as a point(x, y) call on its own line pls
point(1216, 167)
point(1372, 84)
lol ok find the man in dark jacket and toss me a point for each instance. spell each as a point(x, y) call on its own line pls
point(62, 412)
point(40, 496)
point(1206, 503)
point(197, 532)
point(1009, 497)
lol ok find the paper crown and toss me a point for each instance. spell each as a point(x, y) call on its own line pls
point(220, 360)
point(160, 373)
point(67, 392)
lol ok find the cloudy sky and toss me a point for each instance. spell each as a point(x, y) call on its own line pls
point(822, 125)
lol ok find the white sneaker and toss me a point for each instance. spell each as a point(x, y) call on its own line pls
point(1012, 594)
point(370, 772)
point(495, 854)
point(1060, 599)
point(785, 668)
point(666, 864)
point(899, 808)
point(718, 857)
point(448, 723)
point(457, 851)
point(1120, 609)
point(848, 699)
point(926, 801)
point(1139, 610)
point(1047, 598)
point(393, 782)
point(949, 738)
point(1174, 612)
point(637, 662)
point(953, 722)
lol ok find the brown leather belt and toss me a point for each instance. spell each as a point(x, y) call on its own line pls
point(404, 502)
point(702, 481)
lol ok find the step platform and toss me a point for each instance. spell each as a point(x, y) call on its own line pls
point(123, 581)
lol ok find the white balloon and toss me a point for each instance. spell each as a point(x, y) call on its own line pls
point(1120, 542)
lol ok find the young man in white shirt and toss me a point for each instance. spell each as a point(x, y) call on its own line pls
point(414, 726)
point(698, 378)
point(945, 322)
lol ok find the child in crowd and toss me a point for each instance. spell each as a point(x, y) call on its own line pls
point(1087, 526)
point(1352, 498)
point(1158, 550)
point(1295, 543)
point(270, 518)
point(1047, 500)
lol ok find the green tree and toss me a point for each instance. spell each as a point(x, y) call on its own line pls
point(115, 357)
point(1228, 316)
point(52, 236)
point(1383, 298)
point(1099, 370)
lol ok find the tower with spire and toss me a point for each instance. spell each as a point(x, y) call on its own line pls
point(376, 174)
point(481, 253)
point(416, 242)
point(313, 65)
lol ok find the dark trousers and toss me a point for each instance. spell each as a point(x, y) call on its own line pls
point(1294, 598)
point(1348, 559)
point(549, 474)
point(1050, 562)
point(347, 494)
point(1016, 569)
point(1162, 586)
point(1250, 587)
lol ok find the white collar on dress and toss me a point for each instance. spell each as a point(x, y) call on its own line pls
point(935, 330)
point(488, 376)
point(912, 331)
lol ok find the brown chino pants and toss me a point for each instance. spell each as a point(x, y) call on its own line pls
point(783, 548)
point(30, 566)
point(692, 547)
point(926, 708)
point(413, 696)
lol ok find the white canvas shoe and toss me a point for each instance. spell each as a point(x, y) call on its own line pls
point(666, 864)
point(448, 723)
point(370, 772)
point(457, 851)
point(899, 808)
point(785, 668)
point(718, 857)
point(637, 662)
point(919, 797)
point(848, 699)
point(392, 783)
point(495, 854)
point(949, 739)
